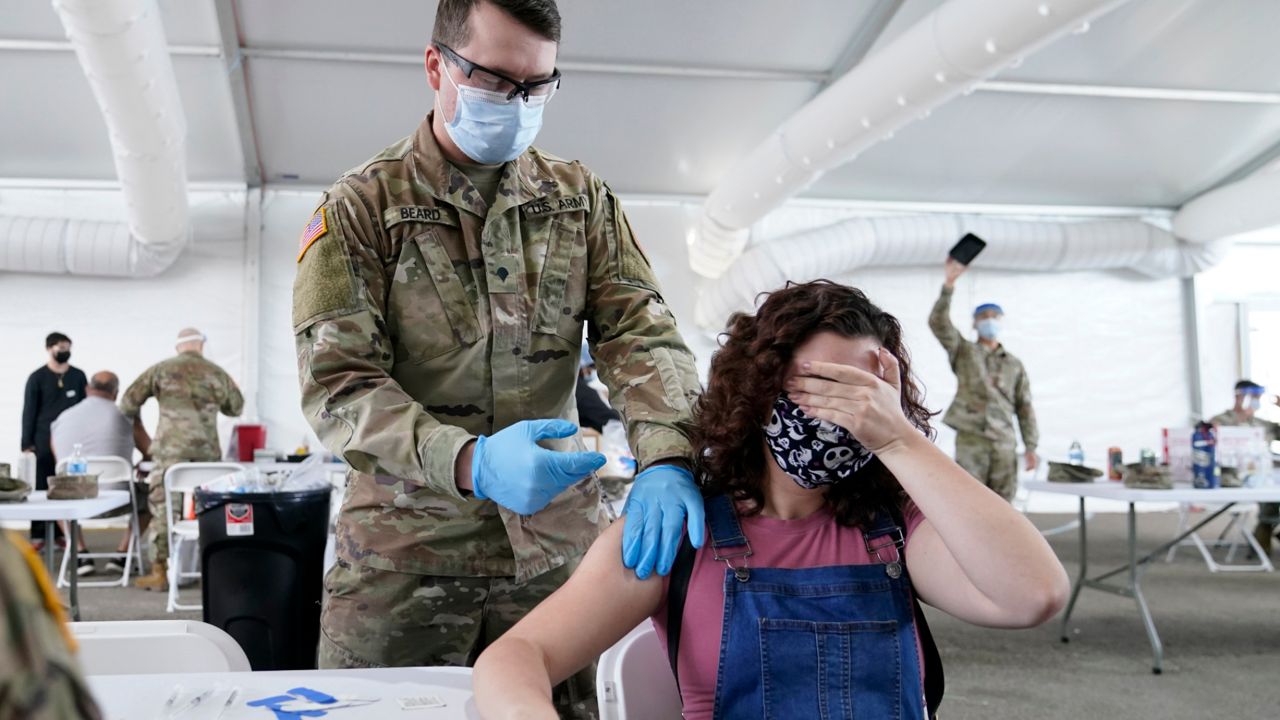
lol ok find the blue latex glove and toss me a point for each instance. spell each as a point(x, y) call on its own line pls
point(662, 497)
point(511, 469)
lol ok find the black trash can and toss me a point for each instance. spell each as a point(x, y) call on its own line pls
point(262, 560)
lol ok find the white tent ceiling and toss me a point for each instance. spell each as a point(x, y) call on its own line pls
point(662, 96)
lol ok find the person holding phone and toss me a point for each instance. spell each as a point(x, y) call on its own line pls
point(992, 387)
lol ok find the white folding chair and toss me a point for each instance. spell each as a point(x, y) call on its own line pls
point(151, 647)
point(1233, 535)
point(185, 477)
point(114, 473)
point(633, 679)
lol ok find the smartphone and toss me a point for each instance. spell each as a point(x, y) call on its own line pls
point(967, 249)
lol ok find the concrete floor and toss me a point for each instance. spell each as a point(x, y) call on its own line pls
point(1221, 635)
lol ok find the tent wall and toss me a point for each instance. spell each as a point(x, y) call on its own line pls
point(1105, 351)
point(122, 324)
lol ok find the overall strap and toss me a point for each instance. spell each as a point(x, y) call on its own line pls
point(722, 516)
point(934, 680)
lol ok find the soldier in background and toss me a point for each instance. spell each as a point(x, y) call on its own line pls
point(190, 391)
point(438, 310)
point(992, 387)
point(40, 678)
point(1244, 414)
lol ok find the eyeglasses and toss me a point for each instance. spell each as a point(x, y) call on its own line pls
point(483, 78)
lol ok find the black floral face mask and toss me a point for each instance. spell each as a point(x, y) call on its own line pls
point(813, 452)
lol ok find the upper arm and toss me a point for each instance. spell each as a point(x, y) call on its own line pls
point(940, 581)
point(942, 326)
point(137, 393)
point(596, 608)
point(1023, 389)
point(233, 403)
point(340, 269)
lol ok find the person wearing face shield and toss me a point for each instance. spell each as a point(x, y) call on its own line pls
point(438, 309)
point(992, 387)
point(1249, 396)
point(54, 387)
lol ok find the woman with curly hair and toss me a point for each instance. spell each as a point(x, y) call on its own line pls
point(829, 510)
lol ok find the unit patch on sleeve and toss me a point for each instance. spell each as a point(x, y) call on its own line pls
point(315, 230)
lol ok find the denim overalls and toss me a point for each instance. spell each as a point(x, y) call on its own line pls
point(827, 642)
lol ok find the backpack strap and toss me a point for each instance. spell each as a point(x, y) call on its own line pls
point(934, 679)
point(727, 542)
point(677, 590)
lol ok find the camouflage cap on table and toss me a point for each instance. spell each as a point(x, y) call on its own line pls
point(1067, 473)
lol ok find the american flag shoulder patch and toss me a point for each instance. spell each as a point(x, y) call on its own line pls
point(315, 230)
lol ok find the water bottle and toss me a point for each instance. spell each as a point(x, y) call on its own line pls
point(1075, 455)
point(77, 465)
point(1203, 461)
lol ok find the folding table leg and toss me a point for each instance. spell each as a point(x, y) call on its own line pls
point(1080, 580)
point(48, 549)
point(72, 527)
point(1157, 649)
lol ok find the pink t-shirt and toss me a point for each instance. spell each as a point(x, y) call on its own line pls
point(814, 541)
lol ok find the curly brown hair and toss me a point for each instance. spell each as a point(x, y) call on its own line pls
point(747, 374)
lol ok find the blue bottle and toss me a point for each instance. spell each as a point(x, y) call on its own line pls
point(1203, 460)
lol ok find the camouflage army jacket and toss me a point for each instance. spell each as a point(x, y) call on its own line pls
point(1231, 419)
point(992, 386)
point(423, 318)
point(40, 678)
point(190, 391)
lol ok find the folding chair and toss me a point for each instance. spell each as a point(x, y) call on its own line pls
point(153, 647)
point(633, 679)
point(114, 473)
point(184, 477)
point(1235, 534)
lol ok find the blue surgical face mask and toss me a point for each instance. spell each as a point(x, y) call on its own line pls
point(988, 328)
point(1252, 402)
point(488, 127)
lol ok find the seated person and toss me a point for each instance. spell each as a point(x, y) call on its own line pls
point(814, 449)
point(100, 429)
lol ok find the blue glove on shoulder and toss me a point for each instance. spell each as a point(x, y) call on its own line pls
point(511, 469)
point(654, 516)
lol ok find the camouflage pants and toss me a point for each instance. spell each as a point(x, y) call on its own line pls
point(378, 618)
point(993, 464)
point(158, 530)
point(1268, 517)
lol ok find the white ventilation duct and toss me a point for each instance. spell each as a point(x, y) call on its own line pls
point(850, 245)
point(122, 49)
point(940, 57)
point(1245, 206)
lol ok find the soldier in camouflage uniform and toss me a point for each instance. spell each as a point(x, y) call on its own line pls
point(992, 387)
point(1243, 413)
point(438, 309)
point(190, 390)
point(39, 676)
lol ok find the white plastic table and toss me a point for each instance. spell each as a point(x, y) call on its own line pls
point(40, 507)
point(144, 696)
point(1133, 568)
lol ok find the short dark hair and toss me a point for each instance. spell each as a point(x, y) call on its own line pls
point(54, 338)
point(452, 28)
point(1246, 385)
